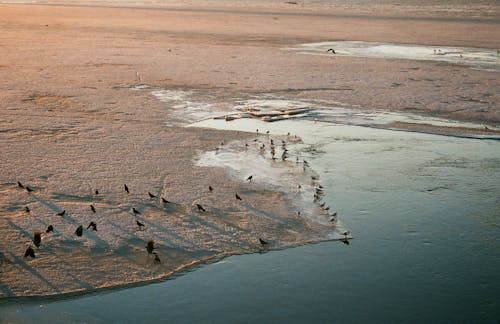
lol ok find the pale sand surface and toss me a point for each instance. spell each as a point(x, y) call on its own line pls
point(70, 124)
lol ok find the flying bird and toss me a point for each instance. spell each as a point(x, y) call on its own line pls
point(49, 229)
point(345, 240)
point(200, 207)
point(164, 200)
point(29, 252)
point(27, 209)
point(28, 189)
point(93, 226)
point(238, 197)
point(20, 185)
point(135, 211)
point(79, 230)
point(139, 223)
point(62, 213)
point(262, 241)
point(93, 208)
point(331, 50)
point(126, 188)
point(250, 178)
point(151, 195)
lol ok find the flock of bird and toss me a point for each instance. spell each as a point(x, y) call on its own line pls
point(92, 226)
point(30, 252)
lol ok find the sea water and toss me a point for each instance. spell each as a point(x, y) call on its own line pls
point(424, 213)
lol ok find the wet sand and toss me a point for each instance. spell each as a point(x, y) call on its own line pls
point(71, 124)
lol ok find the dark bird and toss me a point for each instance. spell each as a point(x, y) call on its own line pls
point(27, 209)
point(79, 231)
point(157, 258)
point(164, 200)
point(126, 188)
point(150, 246)
point(322, 204)
point(345, 240)
point(250, 178)
point(327, 208)
point(28, 189)
point(334, 214)
point(139, 223)
point(49, 229)
point(345, 233)
point(20, 185)
point(135, 211)
point(210, 188)
point(151, 195)
point(262, 242)
point(238, 197)
point(314, 178)
point(200, 207)
point(331, 50)
point(93, 208)
point(93, 226)
point(96, 192)
point(37, 238)
point(29, 252)
point(62, 213)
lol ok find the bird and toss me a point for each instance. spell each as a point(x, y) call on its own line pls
point(29, 252)
point(151, 195)
point(164, 200)
point(92, 208)
point(20, 185)
point(262, 242)
point(327, 208)
point(28, 189)
point(79, 230)
point(237, 196)
point(210, 188)
point(345, 233)
point(49, 229)
point(322, 204)
point(331, 50)
point(62, 213)
point(157, 258)
point(250, 177)
point(139, 223)
point(150, 246)
point(135, 211)
point(93, 226)
point(314, 177)
point(345, 240)
point(126, 188)
point(27, 209)
point(96, 192)
point(334, 214)
point(37, 238)
point(200, 207)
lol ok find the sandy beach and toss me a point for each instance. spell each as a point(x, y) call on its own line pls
point(78, 115)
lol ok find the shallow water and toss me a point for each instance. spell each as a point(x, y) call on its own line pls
point(487, 59)
point(424, 214)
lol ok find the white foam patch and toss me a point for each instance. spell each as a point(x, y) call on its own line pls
point(488, 59)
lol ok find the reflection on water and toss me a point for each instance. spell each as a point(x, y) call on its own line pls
point(424, 213)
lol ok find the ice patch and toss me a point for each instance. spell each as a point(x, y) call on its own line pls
point(483, 58)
